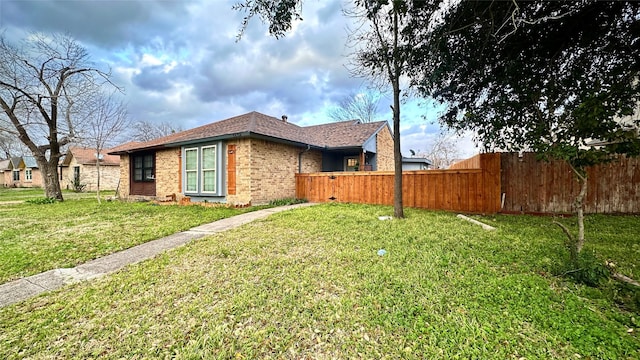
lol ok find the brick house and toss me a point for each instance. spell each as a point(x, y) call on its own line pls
point(79, 166)
point(249, 159)
point(21, 171)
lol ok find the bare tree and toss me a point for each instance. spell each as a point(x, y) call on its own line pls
point(442, 150)
point(106, 124)
point(145, 130)
point(362, 106)
point(43, 81)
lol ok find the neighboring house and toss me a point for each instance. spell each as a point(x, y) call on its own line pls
point(78, 167)
point(415, 164)
point(22, 171)
point(249, 159)
point(4, 166)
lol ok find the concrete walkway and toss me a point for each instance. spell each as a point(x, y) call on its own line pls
point(25, 288)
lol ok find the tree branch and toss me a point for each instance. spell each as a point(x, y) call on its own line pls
point(625, 279)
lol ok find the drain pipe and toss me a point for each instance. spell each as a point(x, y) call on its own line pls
point(300, 158)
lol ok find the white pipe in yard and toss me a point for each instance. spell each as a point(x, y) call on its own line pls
point(484, 226)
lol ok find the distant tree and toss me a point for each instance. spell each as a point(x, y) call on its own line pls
point(10, 146)
point(43, 83)
point(107, 123)
point(361, 106)
point(547, 76)
point(145, 130)
point(442, 150)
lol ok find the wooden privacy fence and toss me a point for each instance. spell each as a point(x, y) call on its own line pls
point(474, 190)
point(533, 186)
point(487, 183)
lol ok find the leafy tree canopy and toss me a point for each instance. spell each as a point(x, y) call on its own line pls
point(553, 77)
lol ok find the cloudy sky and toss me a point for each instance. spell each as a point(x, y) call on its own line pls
point(179, 61)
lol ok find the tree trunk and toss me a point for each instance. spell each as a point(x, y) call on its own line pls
point(580, 210)
point(50, 179)
point(398, 208)
point(98, 180)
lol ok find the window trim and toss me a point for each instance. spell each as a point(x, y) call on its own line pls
point(196, 170)
point(218, 172)
point(215, 169)
point(28, 174)
point(16, 171)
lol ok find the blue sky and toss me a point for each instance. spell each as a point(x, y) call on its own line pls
point(179, 61)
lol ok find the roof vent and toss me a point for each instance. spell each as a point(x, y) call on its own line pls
point(284, 118)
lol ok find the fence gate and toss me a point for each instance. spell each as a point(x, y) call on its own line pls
point(332, 186)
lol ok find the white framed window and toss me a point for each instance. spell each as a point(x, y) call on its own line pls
point(28, 175)
point(209, 169)
point(191, 169)
point(16, 175)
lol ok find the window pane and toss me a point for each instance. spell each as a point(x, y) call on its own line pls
point(137, 175)
point(209, 181)
point(209, 158)
point(192, 181)
point(137, 162)
point(148, 161)
point(191, 159)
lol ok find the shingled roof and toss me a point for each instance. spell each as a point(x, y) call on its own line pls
point(17, 162)
point(87, 156)
point(254, 124)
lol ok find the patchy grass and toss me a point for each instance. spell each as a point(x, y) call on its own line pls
point(40, 237)
point(22, 194)
point(610, 237)
point(309, 284)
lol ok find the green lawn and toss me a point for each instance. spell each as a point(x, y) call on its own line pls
point(36, 238)
point(308, 283)
point(22, 194)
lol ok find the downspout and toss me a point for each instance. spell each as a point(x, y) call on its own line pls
point(300, 158)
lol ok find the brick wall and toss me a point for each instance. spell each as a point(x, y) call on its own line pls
point(384, 148)
point(66, 181)
point(123, 190)
point(109, 176)
point(266, 170)
point(168, 173)
point(36, 178)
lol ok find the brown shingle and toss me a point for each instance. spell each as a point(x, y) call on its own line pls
point(339, 134)
point(343, 134)
point(87, 156)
